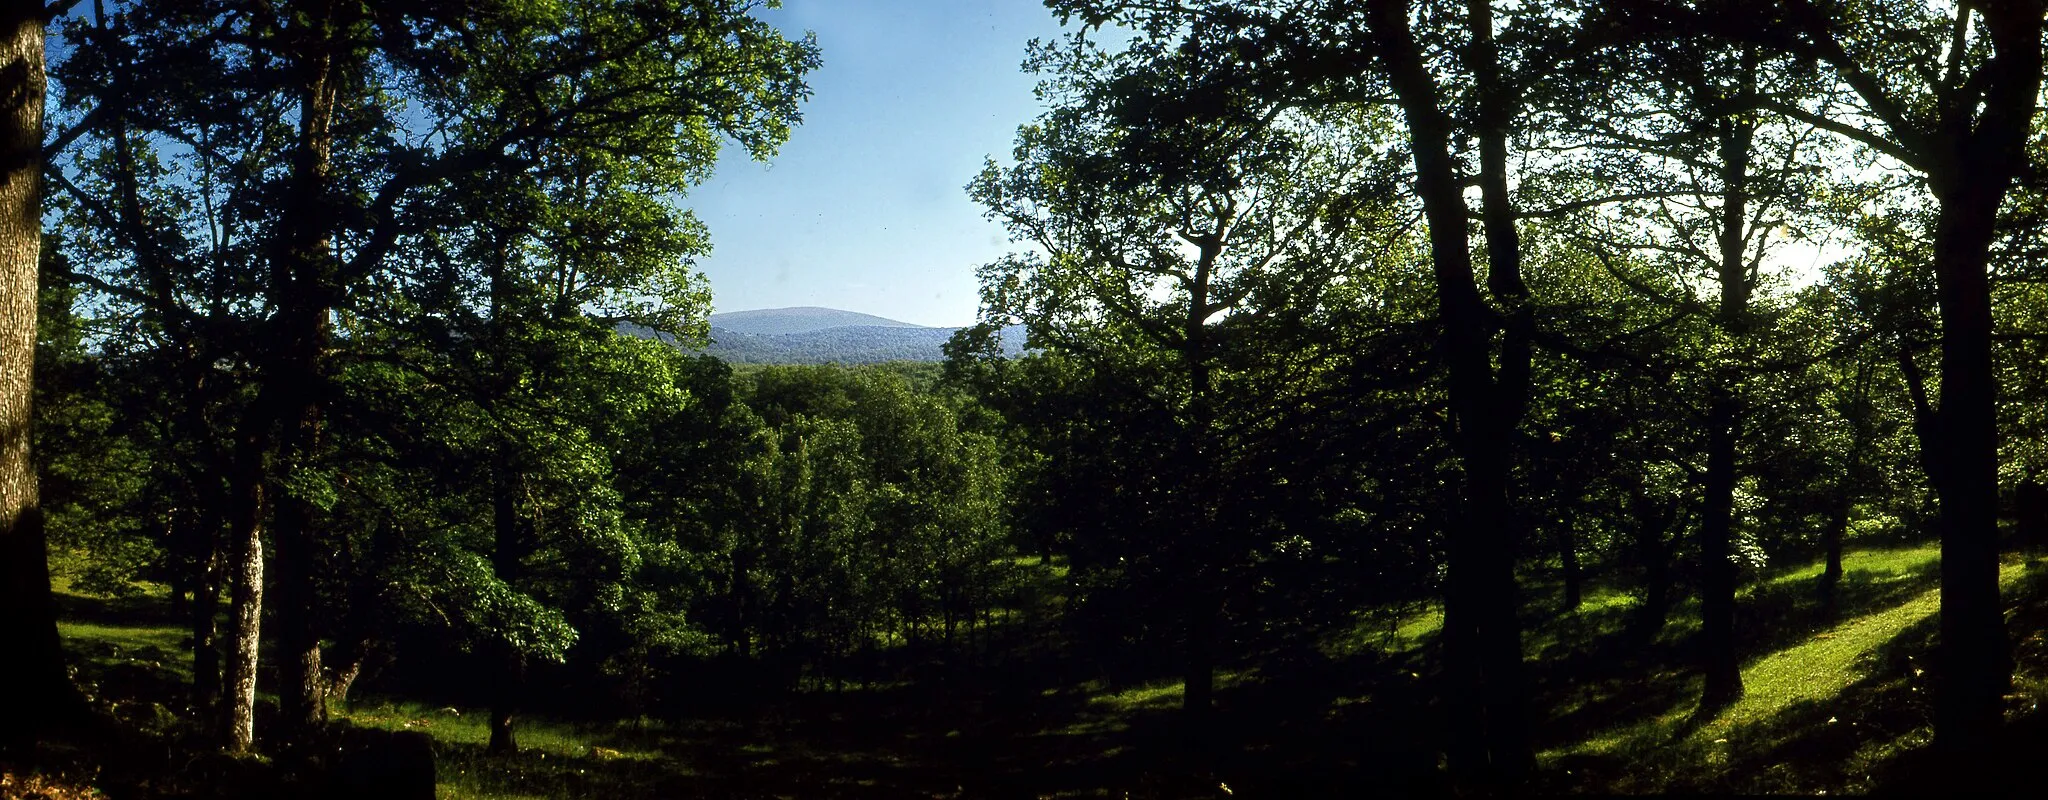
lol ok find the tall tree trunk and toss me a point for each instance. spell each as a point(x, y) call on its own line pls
point(1491, 470)
point(304, 284)
point(1975, 667)
point(1846, 490)
point(301, 686)
point(1831, 543)
point(1718, 657)
point(1970, 179)
point(245, 600)
point(1482, 638)
point(1857, 410)
point(38, 694)
point(1202, 615)
point(505, 561)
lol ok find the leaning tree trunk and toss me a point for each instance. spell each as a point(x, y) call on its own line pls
point(37, 691)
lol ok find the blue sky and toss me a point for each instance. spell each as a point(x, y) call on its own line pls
point(864, 208)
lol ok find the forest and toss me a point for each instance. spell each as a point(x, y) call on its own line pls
point(1418, 399)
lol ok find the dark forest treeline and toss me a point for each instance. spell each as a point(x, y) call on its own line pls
point(1334, 307)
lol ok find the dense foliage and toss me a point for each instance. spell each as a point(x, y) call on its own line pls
point(376, 327)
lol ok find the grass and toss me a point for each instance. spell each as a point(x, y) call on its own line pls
point(1836, 700)
point(1826, 707)
point(157, 646)
point(556, 759)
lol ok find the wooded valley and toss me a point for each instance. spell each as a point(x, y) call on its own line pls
point(1417, 398)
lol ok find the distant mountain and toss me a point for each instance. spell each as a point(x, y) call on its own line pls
point(849, 344)
point(826, 336)
point(795, 338)
point(802, 319)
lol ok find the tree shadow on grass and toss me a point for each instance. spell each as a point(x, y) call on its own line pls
point(2011, 765)
point(1781, 614)
point(1872, 736)
point(1589, 674)
point(1328, 729)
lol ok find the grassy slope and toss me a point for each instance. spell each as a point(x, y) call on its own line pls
point(1833, 703)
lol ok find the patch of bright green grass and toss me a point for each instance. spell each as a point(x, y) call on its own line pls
point(1816, 670)
point(1831, 661)
point(1894, 563)
point(125, 638)
point(1385, 631)
point(554, 760)
point(1603, 598)
point(456, 726)
point(121, 632)
point(1157, 695)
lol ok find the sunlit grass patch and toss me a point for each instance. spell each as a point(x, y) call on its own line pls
point(1385, 630)
point(1603, 598)
point(132, 641)
point(101, 633)
point(1811, 699)
point(1156, 695)
point(456, 726)
point(1893, 563)
point(1822, 667)
point(1831, 661)
point(555, 759)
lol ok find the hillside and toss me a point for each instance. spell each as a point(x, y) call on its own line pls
point(793, 336)
point(853, 344)
point(801, 319)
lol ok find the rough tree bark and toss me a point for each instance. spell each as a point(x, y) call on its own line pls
point(37, 691)
point(245, 600)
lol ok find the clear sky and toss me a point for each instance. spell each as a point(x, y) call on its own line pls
point(864, 208)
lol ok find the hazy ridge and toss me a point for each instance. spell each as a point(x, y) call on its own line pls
point(814, 335)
